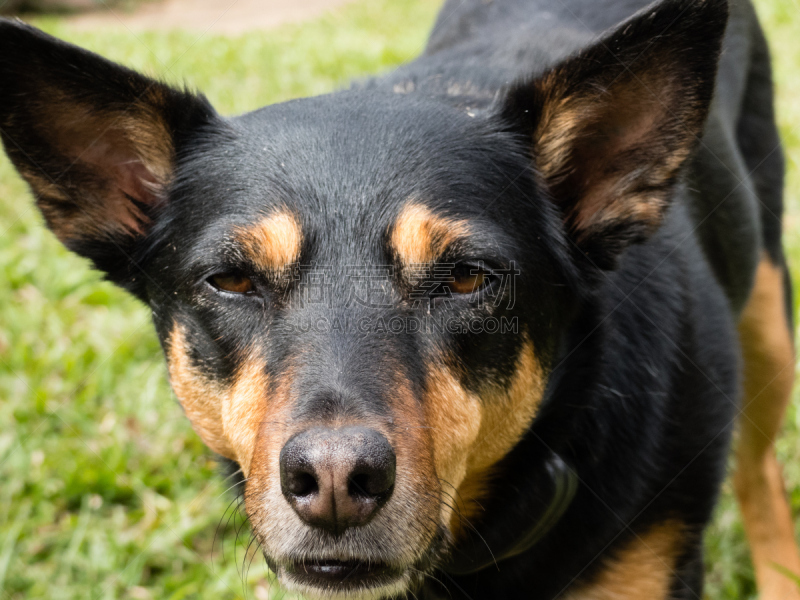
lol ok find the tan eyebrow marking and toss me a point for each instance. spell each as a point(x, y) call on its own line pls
point(419, 236)
point(274, 242)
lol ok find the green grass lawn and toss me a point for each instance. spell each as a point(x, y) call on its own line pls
point(105, 491)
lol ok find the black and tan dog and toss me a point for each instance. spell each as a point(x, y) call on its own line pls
point(475, 329)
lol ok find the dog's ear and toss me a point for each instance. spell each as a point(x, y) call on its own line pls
point(611, 127)
point(96, 141)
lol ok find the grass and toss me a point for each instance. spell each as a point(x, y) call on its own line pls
point(106, 492)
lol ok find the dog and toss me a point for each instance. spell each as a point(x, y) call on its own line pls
point(478, 328)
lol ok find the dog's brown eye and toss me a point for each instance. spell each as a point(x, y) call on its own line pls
point(468, 279)
point(232, 282)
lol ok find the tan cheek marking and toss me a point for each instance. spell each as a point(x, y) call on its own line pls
point(454, 416)
point(264, 473)
point(643, 569)
point(274, 242)
point(419, 236)
point(419, 491)
point(244, 410)
point(275, 426)
point(201, 398)
point(413, 441)
point(506, 416)
point(226, 419)
point(508, 413)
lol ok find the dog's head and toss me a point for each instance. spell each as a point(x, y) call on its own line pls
point(360, 295)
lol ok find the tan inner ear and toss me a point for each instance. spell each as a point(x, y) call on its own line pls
point(111, 159)
point(611, 151)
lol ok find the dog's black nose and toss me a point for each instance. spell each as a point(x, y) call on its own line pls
point(337, 478)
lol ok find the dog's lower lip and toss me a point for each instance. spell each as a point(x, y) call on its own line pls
point(343, 572)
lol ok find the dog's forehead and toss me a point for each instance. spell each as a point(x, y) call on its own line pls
point(352, 152)
point(345, 168)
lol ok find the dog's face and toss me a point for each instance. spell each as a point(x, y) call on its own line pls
point(360, 295)
point(348, 319)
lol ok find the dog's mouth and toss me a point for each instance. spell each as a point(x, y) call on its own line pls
point(343, 573)
point(332, 577)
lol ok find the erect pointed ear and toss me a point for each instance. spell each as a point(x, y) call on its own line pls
point(611, 127)
point(96, 141)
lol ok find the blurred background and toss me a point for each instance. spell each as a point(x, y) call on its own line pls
point(105, 491)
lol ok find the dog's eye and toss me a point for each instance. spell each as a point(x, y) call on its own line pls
point(232, 282)
point(467, 278)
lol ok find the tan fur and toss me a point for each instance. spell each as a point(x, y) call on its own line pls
point(412, 437)
point(115, 153)
point(451, 435)
point(227, 419)
point(769, 364)
point(401, 531)
point(273, 243)
point(245, 409)
point(454, 416)
point(507, 414)
point(471, 433)
point(585, 137)
point(201, 398)
point(642, 570)
point(273, 431)
point(419, 237)
point(44, 186)
point(78, 127)
point(250, 422)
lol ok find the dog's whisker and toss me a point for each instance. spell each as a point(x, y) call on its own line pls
point(236, 500)
point(237, 484)
point(246, 553)
point(437, 580)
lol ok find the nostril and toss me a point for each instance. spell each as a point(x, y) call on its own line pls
point(371, 483)
point(302, 484)
point(359, 486)
point(298, 476)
